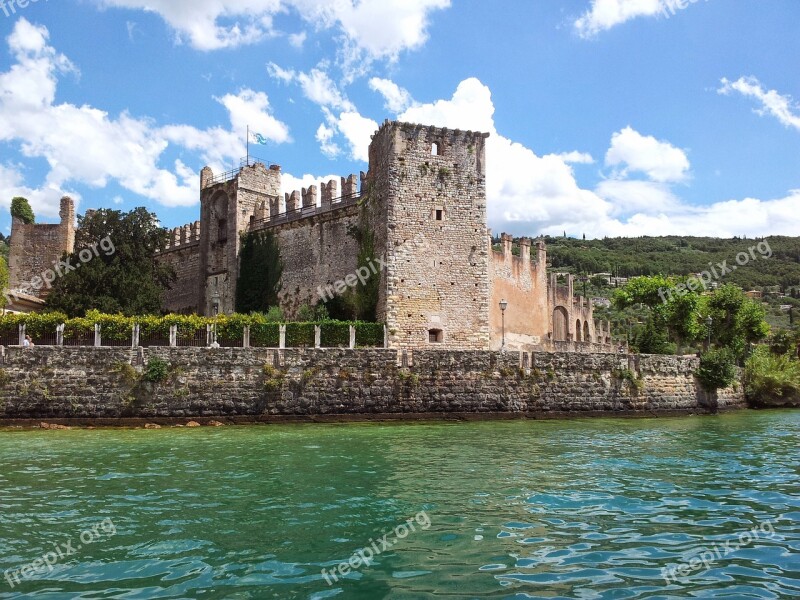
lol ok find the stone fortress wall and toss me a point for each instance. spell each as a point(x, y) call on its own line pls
point(261, 384)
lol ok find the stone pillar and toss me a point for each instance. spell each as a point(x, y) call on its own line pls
point(317, 336)
point(282, 342)
point(352, 337)
point(98, 336)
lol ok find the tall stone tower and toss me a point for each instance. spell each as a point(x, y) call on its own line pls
point(36, 248)
point(227, 204)
point(426, 197)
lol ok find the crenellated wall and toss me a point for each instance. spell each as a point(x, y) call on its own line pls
point(47, 383)
point(522, 283)
point(182, 253)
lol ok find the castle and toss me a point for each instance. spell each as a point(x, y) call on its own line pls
point(423, 202)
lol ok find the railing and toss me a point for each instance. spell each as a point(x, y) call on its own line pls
point(243, 162)
point(271, 335)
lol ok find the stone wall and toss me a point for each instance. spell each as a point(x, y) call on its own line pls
point(35, 248)
point(316, 251)
point(90, 383)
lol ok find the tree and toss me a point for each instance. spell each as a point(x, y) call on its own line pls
point(21, 209)
point(260, 271)
point(114, 268)
point(736, 319)
point(3, 275)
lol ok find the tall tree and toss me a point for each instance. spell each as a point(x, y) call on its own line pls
point(260, 271)
point(114, 267)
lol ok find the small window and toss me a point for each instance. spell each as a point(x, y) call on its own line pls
point(436, 336)
point(222, 235)
point(436, 149)
point(439, 214)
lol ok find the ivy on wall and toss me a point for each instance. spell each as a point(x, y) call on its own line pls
point(260, 271)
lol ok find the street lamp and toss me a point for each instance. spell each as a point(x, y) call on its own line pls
point(215, 301)
point(503, 307)
point(709, 322)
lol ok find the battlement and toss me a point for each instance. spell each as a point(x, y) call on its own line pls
point(308, 202)
point(415, 128)
point(183, 237)
point(506, 253)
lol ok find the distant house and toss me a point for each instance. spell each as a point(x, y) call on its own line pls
point(754, 294)
point(604, 302)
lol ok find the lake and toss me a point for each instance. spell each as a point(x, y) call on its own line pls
point(694, 507)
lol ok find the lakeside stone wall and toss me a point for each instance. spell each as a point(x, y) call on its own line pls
point(47, 383)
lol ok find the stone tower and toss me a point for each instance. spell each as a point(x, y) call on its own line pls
point(36, 248)
point(426, 197)
point(227, 204)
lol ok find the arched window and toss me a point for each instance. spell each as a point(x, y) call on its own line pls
point(436, 149)
point(578, 330)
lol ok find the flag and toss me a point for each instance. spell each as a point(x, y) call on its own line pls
point(258, 139)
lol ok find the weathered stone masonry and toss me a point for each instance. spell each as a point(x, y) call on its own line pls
point(93, 383)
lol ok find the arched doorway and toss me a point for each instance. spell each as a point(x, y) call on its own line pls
point(578, 330)
point(587, 336)
point(560, 324)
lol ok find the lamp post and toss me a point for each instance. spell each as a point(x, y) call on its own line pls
point(215, 301)
point(709, 323)
point(503, 307)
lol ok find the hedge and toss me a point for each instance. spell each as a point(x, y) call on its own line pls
point(263, 333)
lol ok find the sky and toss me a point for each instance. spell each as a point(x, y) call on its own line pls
point(607, 117)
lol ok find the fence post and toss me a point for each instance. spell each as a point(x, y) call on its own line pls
point(385, 337)
point(282, 342)
point(22, 334)
point(317, 336)
point(135, 338)
point(208, 335)
point(173, 336)
point(98, 339)
point(352, 337)
point(246, 337)
point(60, 334)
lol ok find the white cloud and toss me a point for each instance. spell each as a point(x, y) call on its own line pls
point(357, 130)
point(317, 86)
point(324, 137)
point(298, 39)
point(83, 144)
point(44, 201)
point(370, 29)
point(577, 158)
point(605, 14)
point(659, 160)
point(779, 106)
point(397, 99)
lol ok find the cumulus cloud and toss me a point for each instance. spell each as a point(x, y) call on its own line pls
point(605, 14)
point(631, 151)
point(369, 29)
point(83, 144)
point(317, 86)
point(772, 103)
point(397, 99)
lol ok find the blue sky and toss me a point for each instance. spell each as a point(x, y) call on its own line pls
point(608, 117)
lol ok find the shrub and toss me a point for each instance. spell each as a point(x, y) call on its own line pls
point(157, 370)
point(717, 369)
point(772, 378)
point(335, 334)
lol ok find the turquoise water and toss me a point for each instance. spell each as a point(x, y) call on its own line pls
point(559, 509)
